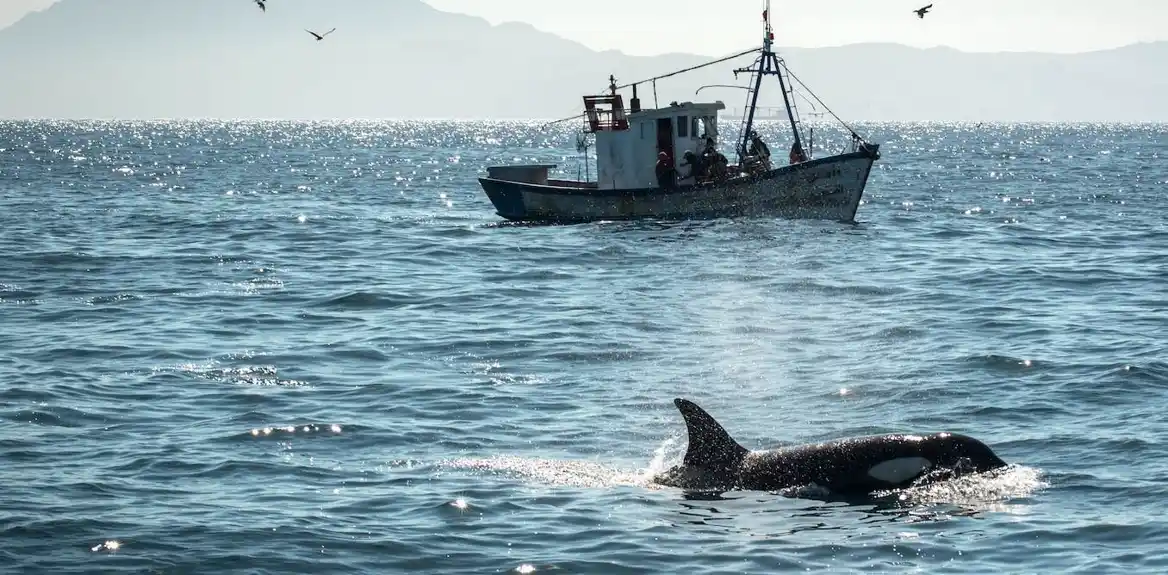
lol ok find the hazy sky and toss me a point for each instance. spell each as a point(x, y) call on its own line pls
point(719, 26)
point(11, 10)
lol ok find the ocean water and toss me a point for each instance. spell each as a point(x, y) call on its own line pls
point(267, 347)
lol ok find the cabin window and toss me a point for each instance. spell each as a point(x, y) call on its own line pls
point(695, 130)
point(702, 127)
point(683, 126)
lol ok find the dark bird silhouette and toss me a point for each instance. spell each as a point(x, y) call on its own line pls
point(260, 3)
point(922, 11)
point(320, 37)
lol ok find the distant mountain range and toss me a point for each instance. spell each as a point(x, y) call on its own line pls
point(145, 59)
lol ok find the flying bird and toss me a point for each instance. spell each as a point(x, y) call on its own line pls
point(922, 11)
point(260, 3)
point(320, 37)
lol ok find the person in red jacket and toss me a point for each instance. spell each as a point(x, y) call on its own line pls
point(666, 173)
point(797, 156)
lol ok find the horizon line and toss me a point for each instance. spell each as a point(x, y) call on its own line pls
point(540, 120)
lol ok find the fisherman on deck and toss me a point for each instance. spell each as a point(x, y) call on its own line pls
point(759, 147)
point(717, 166)
point(759, 150)
point(711, 146)
point(666, 173)
point(797, 156)
point(698, 169)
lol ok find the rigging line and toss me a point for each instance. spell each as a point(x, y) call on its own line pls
point(825, 107)
point(814, 110)
point(691, 68)
point(561, 120)
point(749, 94)
point(747, 88)
point(746, 105)
point(654, 81)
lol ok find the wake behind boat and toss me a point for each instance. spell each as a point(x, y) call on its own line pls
point(664, 163)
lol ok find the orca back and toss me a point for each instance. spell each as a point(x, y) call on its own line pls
point(865, 464)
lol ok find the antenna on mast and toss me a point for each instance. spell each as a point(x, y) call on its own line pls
point(768, 32)
point(768, 64)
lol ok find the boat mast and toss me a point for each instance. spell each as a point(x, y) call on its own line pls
point(745, 136)
point(768, 63)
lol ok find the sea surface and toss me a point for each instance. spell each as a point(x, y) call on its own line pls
point(280, 347)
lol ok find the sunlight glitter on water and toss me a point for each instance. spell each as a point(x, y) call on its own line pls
point(556, 472)
point(112, 546)
point(555, 349)
point(292, 429)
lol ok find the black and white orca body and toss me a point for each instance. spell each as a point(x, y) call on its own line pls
point(862, 465)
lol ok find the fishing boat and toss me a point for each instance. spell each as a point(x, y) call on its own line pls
point(664, 163)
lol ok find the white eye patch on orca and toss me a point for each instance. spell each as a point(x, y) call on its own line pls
point(900, 469)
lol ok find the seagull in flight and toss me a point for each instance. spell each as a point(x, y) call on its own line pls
point(920, 11)
point(320, 37)
point(260, 3)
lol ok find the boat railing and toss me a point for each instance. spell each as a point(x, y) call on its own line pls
point(597, 118)
point(604, 121)
point(555, 182)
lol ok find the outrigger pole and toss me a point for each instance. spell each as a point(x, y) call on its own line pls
point(614, 88)
point(690, 69)
point(768, 63)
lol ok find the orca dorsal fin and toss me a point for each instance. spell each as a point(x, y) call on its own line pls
point(710, 446)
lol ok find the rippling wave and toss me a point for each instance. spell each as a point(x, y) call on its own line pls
point(312, 347)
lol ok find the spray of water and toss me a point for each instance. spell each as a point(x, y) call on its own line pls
point(973, 493)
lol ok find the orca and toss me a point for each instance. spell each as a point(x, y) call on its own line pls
point(714, 461)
